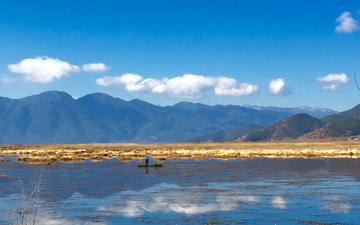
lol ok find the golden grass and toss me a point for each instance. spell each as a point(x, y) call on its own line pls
point(72, 158)
point(4, 175)
point(37, 159)
point(126, 152)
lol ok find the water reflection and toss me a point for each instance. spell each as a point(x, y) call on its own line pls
point(173, 198)
point(278, 202)
point(251, 191)
point(336, 203)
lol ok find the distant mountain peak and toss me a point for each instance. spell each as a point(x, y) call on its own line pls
point(194, 106)
point(317, 109)
point(50, 96)
point(55, 93)
point(317, 112)
point(137, 100)
point(99, 97)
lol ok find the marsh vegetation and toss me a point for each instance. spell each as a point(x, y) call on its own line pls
point(228, 150)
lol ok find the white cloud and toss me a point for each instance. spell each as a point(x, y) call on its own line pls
point(188, 86)
point(278, 202)
point(42, 69)
point(279, 87)
point(95, 67)
point(8, 80)
point(347, 23)
point(333, 82)
point(229, 86)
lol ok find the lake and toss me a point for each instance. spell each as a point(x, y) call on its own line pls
point(185, 191)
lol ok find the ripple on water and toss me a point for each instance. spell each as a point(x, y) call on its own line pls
point(253, 191)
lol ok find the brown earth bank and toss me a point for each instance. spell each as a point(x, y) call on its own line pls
point(228, 150)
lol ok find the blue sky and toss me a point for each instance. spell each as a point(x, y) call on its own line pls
point(266, 53)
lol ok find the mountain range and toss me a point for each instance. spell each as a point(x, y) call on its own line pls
point(56, 117)
point(299, 127)
point(285, 130)
point(312, 111)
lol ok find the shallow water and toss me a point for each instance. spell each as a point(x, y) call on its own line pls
point(252, 191)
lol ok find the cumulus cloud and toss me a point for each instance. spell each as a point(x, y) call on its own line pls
point(333, 82)
point(278, 87)
point(42, 69)
point(188, 86)
point(95, 67)
point(229, 86)
point(347, 23)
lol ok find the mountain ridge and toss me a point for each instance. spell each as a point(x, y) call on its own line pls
point(56, 117)
point(284, 130)
point(317, 112)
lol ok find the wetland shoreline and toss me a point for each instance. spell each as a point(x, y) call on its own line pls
point(228, 150)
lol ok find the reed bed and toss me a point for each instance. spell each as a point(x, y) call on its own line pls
point(161, 152)
point(37, 159)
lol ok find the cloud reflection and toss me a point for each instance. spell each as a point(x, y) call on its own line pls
point(336, 203)
point(170, 197)
point(164, 197)
point(278, 202)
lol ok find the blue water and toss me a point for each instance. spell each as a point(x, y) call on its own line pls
point(252, 191)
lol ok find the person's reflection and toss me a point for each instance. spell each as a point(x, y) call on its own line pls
point(147, 166)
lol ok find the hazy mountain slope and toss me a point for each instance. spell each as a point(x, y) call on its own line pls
point(113, 120)
point(222, 136)
point(332, 118)
point(52, 117)
point(289, 128)
point(185, 120)
point(215, 136)
point(229, 115)
point(312, 111)
point(340, 129)
point(13, 120)
point(233, 134)
point(45, 118)
point(346, 127)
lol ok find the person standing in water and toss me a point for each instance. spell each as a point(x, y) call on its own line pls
point(146, 162)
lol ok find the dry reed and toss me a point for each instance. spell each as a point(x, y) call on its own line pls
point(4, 160)
point(126, 152)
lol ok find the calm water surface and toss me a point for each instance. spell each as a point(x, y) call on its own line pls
point(252, 191)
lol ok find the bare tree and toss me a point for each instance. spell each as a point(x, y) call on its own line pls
point(356, 82)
